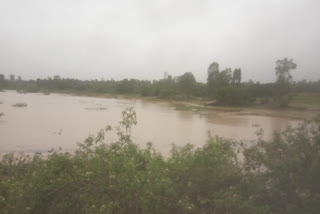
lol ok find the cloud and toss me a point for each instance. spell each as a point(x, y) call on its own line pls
point(143, 39)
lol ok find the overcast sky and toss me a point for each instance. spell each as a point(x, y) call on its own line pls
point(94, 39)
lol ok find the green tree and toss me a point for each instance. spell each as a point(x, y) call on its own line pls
point(187, 83)
point(234, 96)
point(12, 77)
point(284, 79)
point(236, 76)
point(56, 77)
point(225, 77)
point(216, 78)
point(213, 73)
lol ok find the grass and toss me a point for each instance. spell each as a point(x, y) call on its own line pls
point(187, 106)
point(180, 106)
point(306, 101)
point(20, 104)
point(98, 108)
point(301, 107)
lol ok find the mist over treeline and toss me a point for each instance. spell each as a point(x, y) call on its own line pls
point(223, 86)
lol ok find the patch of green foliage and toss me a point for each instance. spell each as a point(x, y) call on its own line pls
point(278, 176)
point(180, 106)
point(282, 88)
point(308, 100)
point(284, 172)
point(20, 104)
point(188, 106)
point(234, 96)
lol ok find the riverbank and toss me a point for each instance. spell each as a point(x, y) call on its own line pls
point(267, 111)
point(303, 106)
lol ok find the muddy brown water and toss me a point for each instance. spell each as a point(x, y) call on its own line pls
point(55, 120)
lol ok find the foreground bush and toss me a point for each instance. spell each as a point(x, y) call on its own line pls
point(121, 177)
point(285, 172)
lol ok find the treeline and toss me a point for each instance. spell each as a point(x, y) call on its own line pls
point(168, 87)
point(280, 176)
point(223, 87)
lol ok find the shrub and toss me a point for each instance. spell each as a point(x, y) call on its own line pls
point(287, 170)
point(235, 96)
point(20, 104)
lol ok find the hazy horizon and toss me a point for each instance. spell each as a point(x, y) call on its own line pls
point(144, 39)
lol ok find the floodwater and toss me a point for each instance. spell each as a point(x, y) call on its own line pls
point(55, 120)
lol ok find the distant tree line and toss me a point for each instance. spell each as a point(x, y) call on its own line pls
point(223, 87)
point(184, 86)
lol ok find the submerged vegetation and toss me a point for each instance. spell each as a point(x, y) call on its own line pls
point(20, 104)
point(181, 106)
point(223, 176)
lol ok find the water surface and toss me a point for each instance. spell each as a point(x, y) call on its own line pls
point(63, 120)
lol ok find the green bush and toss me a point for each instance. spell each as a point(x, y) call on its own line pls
point(234, 96)
point(286, 170)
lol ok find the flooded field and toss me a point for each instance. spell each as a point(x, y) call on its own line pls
point(51, 121)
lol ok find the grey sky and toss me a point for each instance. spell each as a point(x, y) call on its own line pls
point(94, 39)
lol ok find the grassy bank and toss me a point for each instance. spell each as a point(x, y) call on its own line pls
point(307, 101)
point(300, 102)
point(302, 106)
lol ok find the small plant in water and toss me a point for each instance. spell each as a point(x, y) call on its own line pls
point(180, 106)
point(20, 104)
point(46, 92)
